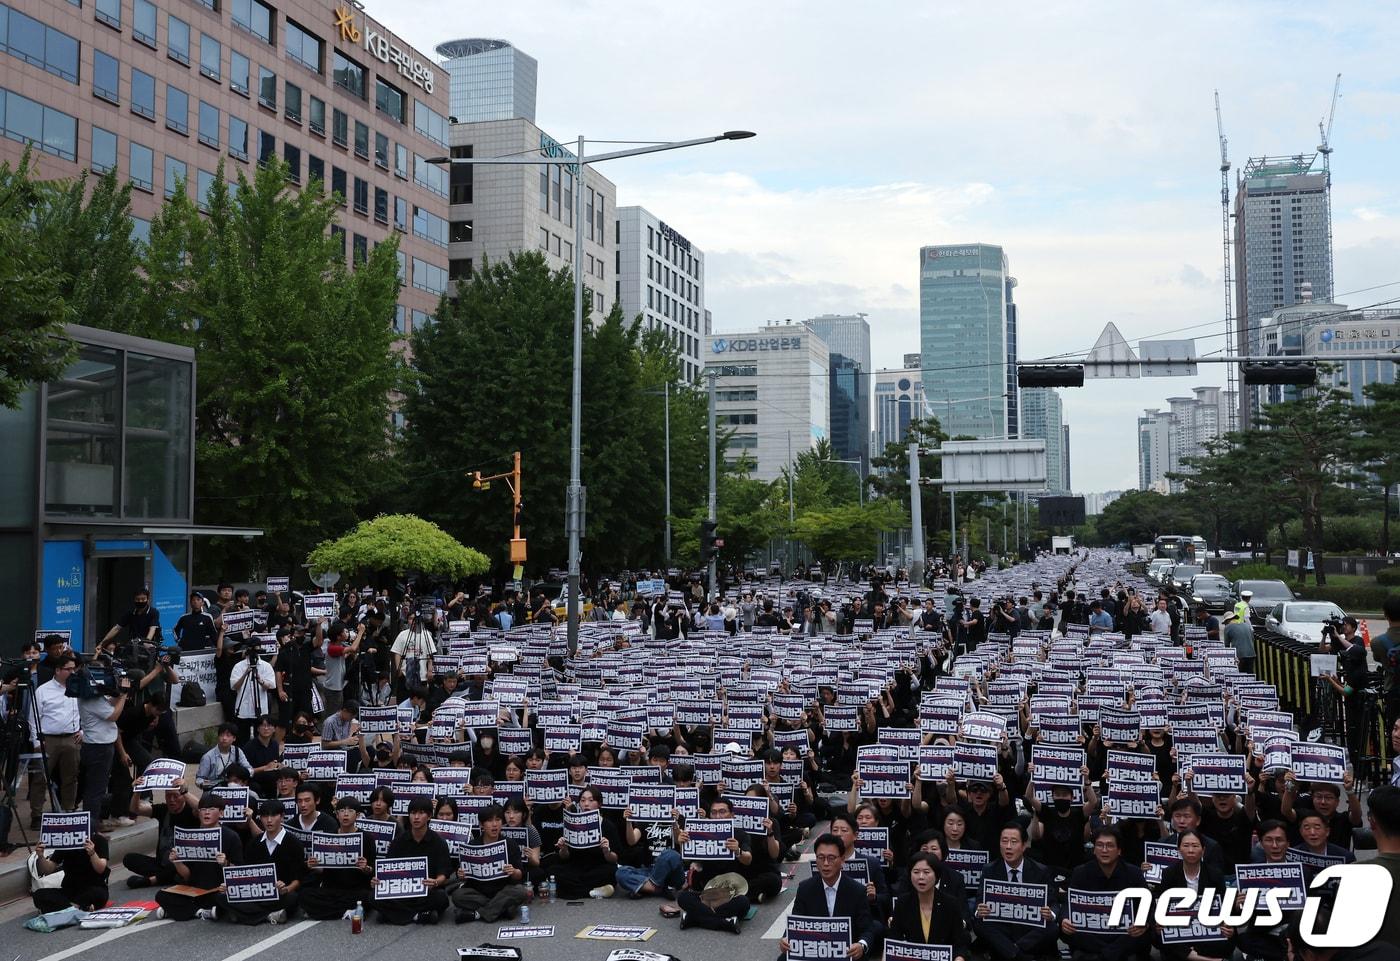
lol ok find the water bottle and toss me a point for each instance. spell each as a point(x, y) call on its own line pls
point(357, 918)
point(553, 890)
point(525, 913)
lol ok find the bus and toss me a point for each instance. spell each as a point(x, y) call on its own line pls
point(1182, 548)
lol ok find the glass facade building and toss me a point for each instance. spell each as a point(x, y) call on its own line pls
point(491, 80)
point(967, 326)
point(848, 340)
point(899, 400)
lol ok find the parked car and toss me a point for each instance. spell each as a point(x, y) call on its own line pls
point(1213, 592)
point(1302, 620)
point(1180, 577)
point(1267, 596)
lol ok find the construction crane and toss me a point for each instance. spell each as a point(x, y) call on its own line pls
point(1325, 148)
point(1232, 379)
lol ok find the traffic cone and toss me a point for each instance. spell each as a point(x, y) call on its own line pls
point(1365, 633)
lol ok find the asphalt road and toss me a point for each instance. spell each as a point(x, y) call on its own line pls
point(303, 940)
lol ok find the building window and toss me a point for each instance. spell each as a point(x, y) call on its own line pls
point(338, 185)
point(305, 48)
point(460, 177)
point(317, 120)
point(567, 208)
point(208, 125)
point(400, 161)
point(399, 318)
point(177, 175)
point(544, 187)
point(429, 176)
point(177, 109)
point(460, 269)
point(544, 239)
point(555, 188)
point(237, 137)
point(602, 237)
point(267, 88)
point(430, 123)
point(429, 277)
point(204, 184)
point(292, 155)
point(420, 319)
point(338, 234)
point(461, 232)
point(108, 12)
point(141, 166)
point(291, 105)
point(316, 172)
point(267, 148)
point(340, 128)
point(360, 250)
point(254, 16)
point(238, 72)
point(400, 213)
point(361, 140)
point(177, 40)
point(106, 77)
point(388, 99)
point(361, 196)
point(143, 94)
point(39, 44)
point(211, 54)
point(381, 205)
point(348, 75)
point(429, 226)
point(104, 150)
point(143, 23)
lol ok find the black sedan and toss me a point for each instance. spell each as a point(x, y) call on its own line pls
point(1213, 592)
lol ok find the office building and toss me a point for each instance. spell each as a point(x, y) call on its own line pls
point(772, 391)
point(661, 282)
point(847, 338)
point(500, 209)
point(967, 327)
point(1069, 486)
point(1156, 450)
point(1095, 503)
point(489, 80)
point(1369, 331)
point(899, 401)
point(1283, 248)
point(164, 91)
point(1042, 418)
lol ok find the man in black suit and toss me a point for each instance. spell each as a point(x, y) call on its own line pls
point(830, 894)
point(1106, 873)
point(1016, 942)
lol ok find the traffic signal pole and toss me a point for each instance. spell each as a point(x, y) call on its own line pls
point(512, 479)
point(916, 516)
point(712, 515)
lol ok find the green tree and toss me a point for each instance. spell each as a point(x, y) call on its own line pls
point(295, 361)
point(890, 478)
point(1311, 440)
point(33, 345)
point(1137, 517)
point(1377, 448)
point(819, 481)
point(847, 532)
point(401, 544)
point(749, 513)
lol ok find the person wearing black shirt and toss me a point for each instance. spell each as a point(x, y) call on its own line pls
point(196, 630)
point(720, 913)
point(264, 754)
point(177, 811)
point(269, 843)
point(330, 893)
point(768, 618)
point(420, 841)
point(293, 667)
point(1107, 873)
point(204, 875)
point(582, 871)
point(490, 901)
point(142, 622)
point(85, 874)
point(974, 624)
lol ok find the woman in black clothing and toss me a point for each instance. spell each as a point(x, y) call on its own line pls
point(582, 871)
point(927, 916)
point(1192, 871)
point(85, 872)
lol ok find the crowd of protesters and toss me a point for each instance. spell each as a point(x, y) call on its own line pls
point(775, 691)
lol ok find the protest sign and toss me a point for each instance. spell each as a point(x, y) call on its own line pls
point(1218, 774)
point(1119, 727)
point(1315, 861)
point(1131, 766)
point(651, 803)
point(883, 779)
point(546, 787)
point(873, 842)
point(1090, 912)
point(379, 720)
point(1060, 729)
point(914, 951)
point(970, 863)
point(160, 775)
point(563, 739)
point(740, 773)
point(381, 831)
point(1286, 877)
point(1158, 857)
point(318, 606)
point(811, 938)
point(337, 850)
point(616, 932)
point(974, 762)
point(749, 813)
point(935, 761)
point(278, 584)
point(357, 786)
point(405, 792)
point(1014, 903)
point(905, 738)
point(1058, 766)
point(940, 718)
point(983, 726)
point(840, 717)
point(65, 831)
point(398, 878)
point(583, 829)
point(457, 834)
point(197, 844)
point(706, 840)
point(1319, 763)
point(517, 932)
point(485, 862)
point(235, 804)
point(250, 883)
point(1133, 799)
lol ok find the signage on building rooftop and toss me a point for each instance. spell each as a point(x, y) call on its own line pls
point(738, 345)
point(383, 49)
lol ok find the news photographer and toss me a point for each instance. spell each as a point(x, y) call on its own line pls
point(253, 684)
point(101, 688)
point(1340, 638)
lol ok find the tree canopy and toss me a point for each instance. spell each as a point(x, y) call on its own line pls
point(401, 543)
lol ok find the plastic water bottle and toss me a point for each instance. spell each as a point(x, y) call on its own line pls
point(525, 914)
point(553, 890)
point(357, 918)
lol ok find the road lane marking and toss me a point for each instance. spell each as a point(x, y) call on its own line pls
point(288, 932)
point(105, 938)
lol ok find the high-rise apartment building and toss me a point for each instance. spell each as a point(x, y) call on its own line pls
point(772, 392)
point(847, 338)
point(661, 280)
point(164, 91)
point(1283, 248)
point(967, 327)
point(899, 401)
point(490, 80)
point(1189, 423)
point(1042, 418)
point(1156, 451)
point(497, 209)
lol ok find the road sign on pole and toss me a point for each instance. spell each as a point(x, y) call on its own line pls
point(1111, 356)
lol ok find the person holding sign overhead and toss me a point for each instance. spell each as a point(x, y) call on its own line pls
point(830, 894)
point(927, 916)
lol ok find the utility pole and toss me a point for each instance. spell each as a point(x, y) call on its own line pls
point(575, 493)
point(668, 474)
point(792, 508)
point(953, 526)
point(712, 374)
point(916, 515)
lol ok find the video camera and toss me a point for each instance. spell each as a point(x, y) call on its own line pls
point(1332, 628)
point(101, 676)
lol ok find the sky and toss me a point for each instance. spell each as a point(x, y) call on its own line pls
point(1080, 136)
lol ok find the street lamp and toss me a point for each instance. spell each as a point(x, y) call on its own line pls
point(575, 496)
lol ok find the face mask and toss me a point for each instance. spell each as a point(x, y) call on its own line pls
point(1062, 805)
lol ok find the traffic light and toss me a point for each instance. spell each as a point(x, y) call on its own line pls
point(709, 542)
point(1290, 373)
point(1050, 375)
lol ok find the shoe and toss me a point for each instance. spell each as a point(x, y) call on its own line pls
point(160, 913)
point(207, 914)
point(731, 925)
point(125, 822)
point(138, 881)
point(426, 917)
point(465, 915)
point(752, 913)
point(685, 920)
point(277, 917)
point(605, 891)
